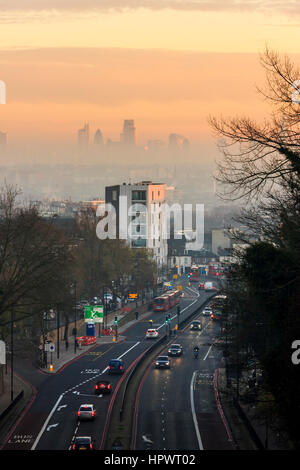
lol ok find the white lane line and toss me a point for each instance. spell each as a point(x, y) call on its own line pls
point(194, 413)
point(59, 399)
point(46, 423)
point(207, 352)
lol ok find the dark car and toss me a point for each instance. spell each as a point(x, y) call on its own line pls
point(162, 362)
point(175, 350)
point(116, 366)
point(196, 325)
point(83, 443)
point(102, 387)
point(216, 316)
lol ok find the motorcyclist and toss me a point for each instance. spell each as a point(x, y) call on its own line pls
point(196, 351)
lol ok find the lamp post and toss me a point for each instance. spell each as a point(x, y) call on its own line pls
point(74, 285)
point(12, 357)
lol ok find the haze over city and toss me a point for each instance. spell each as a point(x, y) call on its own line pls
point(167, 65)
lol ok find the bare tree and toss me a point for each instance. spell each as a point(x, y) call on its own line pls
point(258, 156)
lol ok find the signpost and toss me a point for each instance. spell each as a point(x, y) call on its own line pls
point(93, 313)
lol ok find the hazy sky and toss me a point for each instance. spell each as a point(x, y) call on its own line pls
point(167, 64)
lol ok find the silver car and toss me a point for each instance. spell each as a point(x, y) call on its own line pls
point(86, 412)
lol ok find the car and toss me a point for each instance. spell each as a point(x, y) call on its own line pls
point(162, 362)
point(196, 325)
point(175, 350)
point(103, 386)
point(86, 411)
point(116, 366)
point(151, 333)
point(216, 316)
point(207, 311)
point(82, 443)
point(201, 285)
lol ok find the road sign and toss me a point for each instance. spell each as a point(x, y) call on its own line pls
point(50, 347)
point(93, 313)
point(133, 296)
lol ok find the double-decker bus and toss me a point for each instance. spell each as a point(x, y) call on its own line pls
point(172, 298)
point(194, 274)
point(161, 304)
point(177, 296)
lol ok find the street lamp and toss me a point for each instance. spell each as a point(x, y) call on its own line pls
point(73, 291)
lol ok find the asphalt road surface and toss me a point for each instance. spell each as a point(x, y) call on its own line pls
point(178, 407)
point(50, 423)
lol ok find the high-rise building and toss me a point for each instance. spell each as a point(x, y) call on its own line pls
point(83, 136)
point(141, 219)
point(98, 137)
point(128, 136)
point(3, 138)
point(178, 142)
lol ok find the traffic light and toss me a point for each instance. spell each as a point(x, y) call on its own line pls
point(166, 320)
point(116, 320)
point(189, 275)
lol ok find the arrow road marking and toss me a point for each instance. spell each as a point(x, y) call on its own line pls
point(52, 426)
point(147, 439)
point(61, 406)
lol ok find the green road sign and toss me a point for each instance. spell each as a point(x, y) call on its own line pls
point(93, 313)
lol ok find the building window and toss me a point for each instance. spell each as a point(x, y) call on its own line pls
point(139, 195)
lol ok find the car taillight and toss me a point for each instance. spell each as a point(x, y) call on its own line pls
point(78, 413)
point(93, 413)
point(91, 447)
point(96, 386)
point(121, 367)
point(108, 367)
point(73, 447)
point(108, 386)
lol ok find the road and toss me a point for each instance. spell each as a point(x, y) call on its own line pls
point(51, 423)
point(178, 407)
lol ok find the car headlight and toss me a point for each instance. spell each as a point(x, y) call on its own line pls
point(157, 363)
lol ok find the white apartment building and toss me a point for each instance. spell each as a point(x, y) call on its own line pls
point(139, 216)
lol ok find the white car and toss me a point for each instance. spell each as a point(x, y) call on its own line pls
point(151, 333)
point(86, 411)
point(207, 311)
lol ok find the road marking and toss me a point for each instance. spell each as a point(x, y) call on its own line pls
point(46, 423)
point(194, 413)
point(52, 426)
point(61, 406)
point(61, 396)
point(207, 353)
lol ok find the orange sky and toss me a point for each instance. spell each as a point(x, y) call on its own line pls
point(167, 65)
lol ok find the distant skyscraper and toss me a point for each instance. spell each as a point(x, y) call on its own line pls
point(3, 138)
point(178, 142)
point(98, 138)
point(83, 136)
point(128, 136)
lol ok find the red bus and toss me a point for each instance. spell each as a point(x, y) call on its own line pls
point(161, 304)
point(172, 299)
point(194, 274)
point(177, 296)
